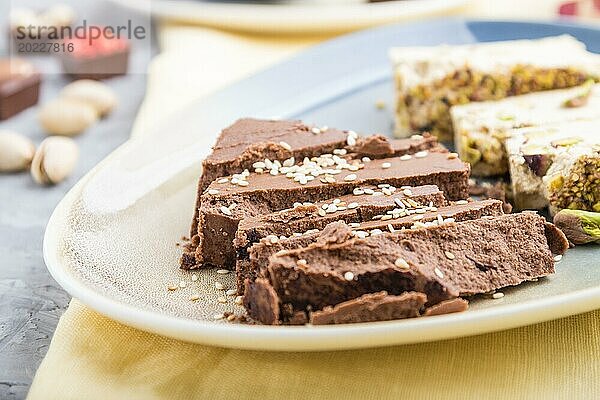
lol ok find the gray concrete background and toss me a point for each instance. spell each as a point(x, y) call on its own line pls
point(31, 302)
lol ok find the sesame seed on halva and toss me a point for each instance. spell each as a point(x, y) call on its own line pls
point(449, 255)
point(331, 209)
point(301, 262)
point(225, 210)
point(285, 145)
point(401, 263)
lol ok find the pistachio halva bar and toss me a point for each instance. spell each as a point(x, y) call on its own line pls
point(405, 214)
point(556, 166)
point(228, 200)
point(443, 262)
point(481, 129)
point(430, 80)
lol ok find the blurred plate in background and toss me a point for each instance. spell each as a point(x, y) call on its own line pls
point(292, 16)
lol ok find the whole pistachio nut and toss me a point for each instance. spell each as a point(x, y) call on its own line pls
point(16, 152)
point(67, 117)
point(579, 226)
point(96, 94)
point(54, 160)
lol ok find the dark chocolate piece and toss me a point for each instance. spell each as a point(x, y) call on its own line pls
point(557, 240)
point(19, 87)
point(379, 146)
point(371, 307)
point(447, 307)
point(264, 306)
point(103, 58)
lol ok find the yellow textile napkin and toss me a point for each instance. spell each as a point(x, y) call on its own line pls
point(93, 357)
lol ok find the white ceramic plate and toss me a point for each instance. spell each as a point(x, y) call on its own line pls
point(293, 16)
point(111, 240)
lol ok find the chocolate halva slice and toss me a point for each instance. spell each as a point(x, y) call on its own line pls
point(443, 262)
point(228, 200)
point(362, 205)
point(250, 140)
point(402, 216)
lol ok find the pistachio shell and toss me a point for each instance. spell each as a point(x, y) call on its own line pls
point(96, 94)
point(16, 152)
point(54, 160)
point(67, 117)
